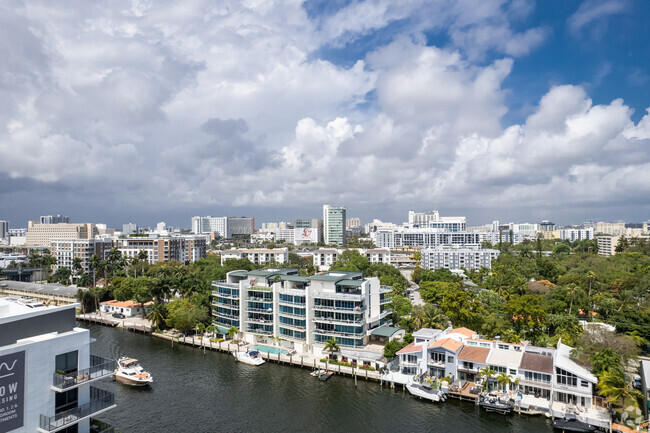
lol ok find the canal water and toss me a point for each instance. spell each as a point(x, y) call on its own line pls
point(196, 393)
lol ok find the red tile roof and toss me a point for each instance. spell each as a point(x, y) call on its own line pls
point(125, 304)
point(474, 353)
point(463, 331)
point(410, 348)
point(448, 343)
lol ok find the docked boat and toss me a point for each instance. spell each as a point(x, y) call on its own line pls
point(129, 372)
point(572, 425)
point(318, 373)
point(494, 402)
point(251, 358)
point(324, 377)
point(421, 391)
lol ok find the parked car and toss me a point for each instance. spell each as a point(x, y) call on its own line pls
point(119, 316)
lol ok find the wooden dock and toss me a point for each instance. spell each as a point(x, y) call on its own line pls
point(463, 393)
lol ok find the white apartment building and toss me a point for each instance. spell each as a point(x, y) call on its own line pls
point(224, 227)
point(325, 257)
point(7, 259)
point(258, 256)
point(353, 222)
point(421, 238)
point(41, 235)
point(433, 220)
point(377, 255)
point(66, 250)
point(47, 374)
point(577, 234)
point(457, 257)
point(607, 245)
point(304, 312)
point(185, 249)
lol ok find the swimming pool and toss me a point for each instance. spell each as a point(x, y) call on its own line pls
point(268, 349)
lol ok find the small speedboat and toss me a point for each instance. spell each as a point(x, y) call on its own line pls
point(129, 372)
point(251, 358)
point(425, 392)
point(494, 402)
point(318, 373)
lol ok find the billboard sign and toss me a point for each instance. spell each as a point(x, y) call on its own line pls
point(305, 235)
point(12, 391)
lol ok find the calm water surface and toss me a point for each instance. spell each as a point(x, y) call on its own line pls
point(198, 393)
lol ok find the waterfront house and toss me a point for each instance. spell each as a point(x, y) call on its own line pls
point(574, 391)
point(505, 358)
point(128, 308)
point(471, 359)
point(443, 354)
point(47, 374)
point(412, 359)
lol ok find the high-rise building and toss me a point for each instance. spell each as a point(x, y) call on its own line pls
point(4, 229)
point(433, 220)
point(310, 224)
point(58, 219)
point(240, 226)
point(224, 227)
point(353, 222)
point(129, 228)
point(66, 250)
point(334, 224)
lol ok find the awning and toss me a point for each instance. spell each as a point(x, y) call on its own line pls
point(221, 330)
point(386, 331)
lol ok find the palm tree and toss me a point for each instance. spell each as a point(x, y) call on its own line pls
point(614, 385)
point(143, 257)
point(486, 373)
point(77, 265)
point(83, 296)
point(572, 292)
point(232, 331)
point(157, 315)
point(332, 345)
point(504, 380)
point(210, 329)
point(93, 263)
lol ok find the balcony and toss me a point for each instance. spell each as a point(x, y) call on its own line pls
point(267, 311)
point(259, 331)
point(299, 316)
point(439, 364)
point(100, 401)
point(259, 299)
point(224, 283)
point(225, 315)
point(99, 368)
point(258, 320)
point(385, 301)
point(339, 333)
point(464, 369)
point(260, 289)
point(333, 308)
point(291, 302)
point(223, 304)
point(334, 320)
point(339, 296)
point(292, 326)
point(385, 289)
point(225, 295)
point(292, 292)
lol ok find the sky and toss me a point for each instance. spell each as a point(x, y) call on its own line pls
point(144, 111)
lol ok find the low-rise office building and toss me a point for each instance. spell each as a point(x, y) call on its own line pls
point(47, 374)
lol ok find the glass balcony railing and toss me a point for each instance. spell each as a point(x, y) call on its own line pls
point(99, 367)
point(100, 400)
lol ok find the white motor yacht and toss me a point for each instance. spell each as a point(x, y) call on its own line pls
point(251, 358)
point(131, 373)
point(421, 391)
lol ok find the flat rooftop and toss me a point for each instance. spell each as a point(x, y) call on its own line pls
point(50, 289)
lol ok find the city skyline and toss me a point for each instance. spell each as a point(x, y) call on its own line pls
point(496, 110)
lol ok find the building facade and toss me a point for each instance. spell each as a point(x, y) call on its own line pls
point(47, 375)
point(334, 218)
point(66, 250)
point(433, 220)
point(41, 235)
point(304, 312)
point(457, 257)
point(258, 256)
point(577, 234)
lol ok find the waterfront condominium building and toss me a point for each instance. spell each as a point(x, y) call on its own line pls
point(304, 312)
point(47, 374)
point(66, 250)
point(457, 257)
point(41, 235)
point(334, 224)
